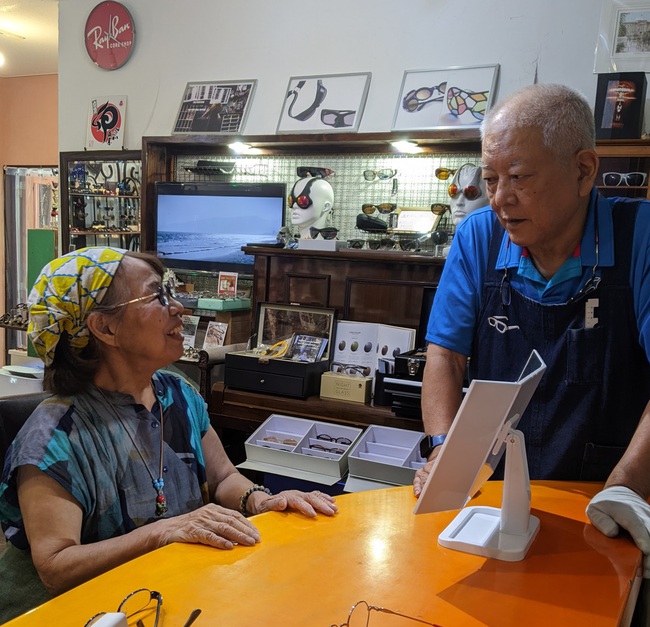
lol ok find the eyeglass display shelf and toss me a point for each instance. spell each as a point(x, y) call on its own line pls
point(99, 195)
point(12, 327)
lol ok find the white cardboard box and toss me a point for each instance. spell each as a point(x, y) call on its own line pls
point(291, 447)
point(384, 456)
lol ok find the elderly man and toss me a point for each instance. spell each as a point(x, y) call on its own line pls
point(566, 272)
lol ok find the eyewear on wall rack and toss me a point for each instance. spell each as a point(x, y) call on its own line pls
point(631, 179)
point(382, 175)
point(369, 208)
point(304, 171)
point(444, 173)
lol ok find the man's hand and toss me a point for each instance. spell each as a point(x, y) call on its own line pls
point(617, 507)
point(423, 473)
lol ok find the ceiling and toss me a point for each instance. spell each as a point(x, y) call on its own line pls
point(29, 37)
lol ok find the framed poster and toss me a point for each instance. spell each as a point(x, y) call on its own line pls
point(324, 104)
point(620, 100)
point(106, 117)
point(456, 97)
point(624, 37)
point(214, 108)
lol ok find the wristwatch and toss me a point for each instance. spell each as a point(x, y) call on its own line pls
point(429, 442)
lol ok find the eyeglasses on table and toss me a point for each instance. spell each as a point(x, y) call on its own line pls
point(137, 602)
point(359, 615)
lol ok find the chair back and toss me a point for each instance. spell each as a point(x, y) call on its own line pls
point(14, 411)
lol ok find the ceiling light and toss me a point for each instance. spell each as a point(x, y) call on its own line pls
point(406, 146)
point(239, 147)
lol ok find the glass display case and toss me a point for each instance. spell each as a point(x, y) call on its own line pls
point(100, 199)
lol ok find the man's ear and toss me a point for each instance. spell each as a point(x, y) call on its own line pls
point(588, 163)
point(102, 327)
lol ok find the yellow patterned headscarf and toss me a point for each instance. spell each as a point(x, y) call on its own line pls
point(67, 289)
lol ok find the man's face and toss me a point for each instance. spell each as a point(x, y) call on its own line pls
point(537, 197)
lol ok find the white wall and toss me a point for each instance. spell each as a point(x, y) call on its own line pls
point(271, 40)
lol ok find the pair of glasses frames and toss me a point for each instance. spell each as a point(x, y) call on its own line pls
point(135, 603)
point(165, 293)
point(328, 438)
point(417, 98)
point(631, 179)
point(327, 232)
point(287, 441)
point(382, 244)
point(337, 118)
point(368, 208)
point(354, 369)
point(303, 200)
point(359, 615)
point(444, 173)
point(304, 170)
point(471, 192)
point(439, 208)
point(321, 92)
point(319, 447)
point(382, 175)
point(460, 101)
point(356, 243)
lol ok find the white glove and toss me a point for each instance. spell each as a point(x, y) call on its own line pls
point(618, 507)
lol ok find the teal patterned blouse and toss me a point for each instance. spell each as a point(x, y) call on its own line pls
point(104, 449)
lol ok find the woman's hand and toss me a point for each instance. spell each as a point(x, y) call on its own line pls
point(307, 503)
point(212, 525)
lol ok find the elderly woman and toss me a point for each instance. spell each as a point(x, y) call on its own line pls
point(122, 459)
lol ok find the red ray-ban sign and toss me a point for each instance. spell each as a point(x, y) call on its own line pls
point(109, 35)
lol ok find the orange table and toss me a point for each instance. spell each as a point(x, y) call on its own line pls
point(310, 572)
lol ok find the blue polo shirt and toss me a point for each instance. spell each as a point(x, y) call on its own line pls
point(458, 298)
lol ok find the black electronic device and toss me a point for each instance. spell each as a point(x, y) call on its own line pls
point(203, 226)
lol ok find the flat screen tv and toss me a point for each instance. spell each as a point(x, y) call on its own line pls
point(202, 226)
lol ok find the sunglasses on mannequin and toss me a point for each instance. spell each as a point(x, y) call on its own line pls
point(471, 192)
point(303, 200)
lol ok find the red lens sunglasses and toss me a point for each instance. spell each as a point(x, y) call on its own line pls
point(471, 192)
point(304, 200)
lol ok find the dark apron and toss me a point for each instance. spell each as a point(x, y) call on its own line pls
point(596, 386)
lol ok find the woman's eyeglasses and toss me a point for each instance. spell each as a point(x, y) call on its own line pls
point(337, 119)
point(382, 175)
point(304, 170)
point(417, 98)
point(460, 101)
point(328, 232)
point(135, 603)
point(359, 615)
point(368, 208)
point(471, 192)
point(631, 179)
point(164, 294)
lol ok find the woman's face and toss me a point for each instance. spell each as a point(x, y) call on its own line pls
point(148, 334)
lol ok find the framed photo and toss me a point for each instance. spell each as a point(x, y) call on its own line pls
point(624, 37)
point(620, 101)
point(213, 108)
point(227, 284)
point(215, 334)
point(456, 97)
point(324, 104)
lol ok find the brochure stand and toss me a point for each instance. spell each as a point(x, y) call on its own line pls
point(507, 533)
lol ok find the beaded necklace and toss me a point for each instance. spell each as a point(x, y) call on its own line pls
point(159, 483)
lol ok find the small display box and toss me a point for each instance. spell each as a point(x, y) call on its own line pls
point(300, 448)
point(292, 351)
point(384, 456)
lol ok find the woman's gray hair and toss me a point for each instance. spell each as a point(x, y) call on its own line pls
point(563, 116)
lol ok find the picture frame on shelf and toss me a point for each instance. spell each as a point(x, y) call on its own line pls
point(331, 103)
point(620, 101)
point(624, 37)
point(214, 107)
point(443, 99)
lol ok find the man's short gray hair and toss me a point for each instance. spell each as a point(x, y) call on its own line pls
point(563, 116)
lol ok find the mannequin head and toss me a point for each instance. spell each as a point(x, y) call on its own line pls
point(315, 200)
point(467, 180)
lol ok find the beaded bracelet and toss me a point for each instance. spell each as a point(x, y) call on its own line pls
point(244, 497)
